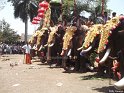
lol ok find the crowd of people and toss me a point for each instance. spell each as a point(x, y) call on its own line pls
point(15, 48)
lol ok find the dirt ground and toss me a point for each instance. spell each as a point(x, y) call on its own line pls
point(40, 78)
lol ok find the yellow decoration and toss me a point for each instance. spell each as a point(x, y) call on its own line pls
point(91, 34)
point(106, 32)
point(68, 36)
point(52, 33)
point(46, 21)
point(34, 35)
point(46, 24)
point(39, 36)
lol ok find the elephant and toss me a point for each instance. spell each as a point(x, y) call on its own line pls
point(55, 45)
point(90, 44)
point(113, 48)
point(41, 45)
point(108, 47)
point(33, 41)
point(73, 39)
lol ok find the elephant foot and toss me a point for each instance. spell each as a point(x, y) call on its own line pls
point(82, 71)
point(53, 66)
point(58, 64)
point(100, 74)
point(71, 68)
point(89, 67)
point(66, 68)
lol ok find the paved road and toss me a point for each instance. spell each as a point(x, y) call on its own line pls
point(39, 78)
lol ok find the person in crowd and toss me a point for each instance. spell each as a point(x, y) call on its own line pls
point(121, 14)
point(105, 17)
point(89, 22)
point(27, 49)
point(113, 14)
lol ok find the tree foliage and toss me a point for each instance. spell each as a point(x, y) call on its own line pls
point(2, 4)
point(25, 9)
point(91, 6)
point(6, 33)
point(68, 7)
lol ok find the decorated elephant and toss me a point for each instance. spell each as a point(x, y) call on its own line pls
point(90, 43)
point(55, 45)
point(73, 39)
point(42, 44)
point(33, 41)
point(108, 48)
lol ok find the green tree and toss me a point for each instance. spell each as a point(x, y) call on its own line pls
point(25, 9)
point(6, 33)
point(92, 6)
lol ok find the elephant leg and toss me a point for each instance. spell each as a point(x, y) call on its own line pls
point(121, 63)
point(82, 62)
point(101, 70)
point(77, 65)
point(59, 61)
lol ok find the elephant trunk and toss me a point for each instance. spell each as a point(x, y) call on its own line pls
point(48, 54)
point(62, 53)
point(105, 56)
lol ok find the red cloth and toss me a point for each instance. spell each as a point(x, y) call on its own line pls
point(28, 59)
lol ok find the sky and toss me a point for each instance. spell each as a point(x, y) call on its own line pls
point(16, 24)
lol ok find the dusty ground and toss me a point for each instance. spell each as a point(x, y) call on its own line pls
point(39, 78)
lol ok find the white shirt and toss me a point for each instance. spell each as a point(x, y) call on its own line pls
point(27, 48)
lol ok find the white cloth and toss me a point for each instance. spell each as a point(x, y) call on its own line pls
point(27, 48)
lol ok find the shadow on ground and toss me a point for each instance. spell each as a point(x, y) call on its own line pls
point(95, 76)
point(42, 64)
point(108, 89)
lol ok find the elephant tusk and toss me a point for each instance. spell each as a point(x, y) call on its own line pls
point(57, 34)
point(69, 52)
point(120, 84)
point(50, 45)
point(85, 51)
point(80, 48)
point(105, 56)
point(46, 45)
point(40, 48)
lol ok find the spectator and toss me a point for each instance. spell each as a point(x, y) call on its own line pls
point(27, 49)
point(106, 17)
point(113, 14)
point(89, 22)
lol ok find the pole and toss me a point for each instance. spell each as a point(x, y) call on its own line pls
point(103, 7)
point(74, 8)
